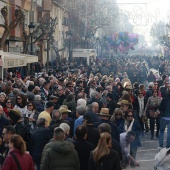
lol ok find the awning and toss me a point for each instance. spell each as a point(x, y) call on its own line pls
point(88, 53)
point(11, 60)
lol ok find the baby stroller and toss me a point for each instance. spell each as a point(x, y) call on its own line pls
point(163, 160)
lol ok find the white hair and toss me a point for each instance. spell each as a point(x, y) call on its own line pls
point(81, 102)
point(65, 127)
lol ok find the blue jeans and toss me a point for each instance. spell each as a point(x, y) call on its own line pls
point(163, 124)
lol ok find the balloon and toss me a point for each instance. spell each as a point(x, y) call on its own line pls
point(118, 42)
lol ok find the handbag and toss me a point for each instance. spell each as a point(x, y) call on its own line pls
point(152, 111)
point(16, 161)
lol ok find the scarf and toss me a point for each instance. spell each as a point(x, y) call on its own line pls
point(141, 106)
point(127, 129)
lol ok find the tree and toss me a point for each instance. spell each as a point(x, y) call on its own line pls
point(44, 31)
point(19, 18)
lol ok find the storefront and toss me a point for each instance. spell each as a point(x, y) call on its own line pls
point(11, 60)
point(90, 54)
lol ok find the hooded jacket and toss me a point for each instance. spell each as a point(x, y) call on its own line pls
point(60, 155)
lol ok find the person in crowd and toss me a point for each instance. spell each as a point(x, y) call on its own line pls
point(2, 99)
point(61, 95)
point(57, 120)
point(149, 91)
point(139, 108)
point(54, 99)
point(13, 95)
point(105, 127)
point(60, 154)
point(82, 146)
point(152, 111)
point(20, 128)
point(70, 103)
point(31, 117)
point(156, 87)
point(7, 132)
point(49, 107)
point(81, 102)
point(142, 89)
point(118, 120)
point(95, 107)
point(93, 134)
point(135, 88)
point(103, 157)
point(21, 104)
point(30, 95)
point(90, 110)
point(151, 77)
point(165, 120)
point(38, 103)
point(39, 138)
point(18, 158)
point(104, 116)
point(94, 98)
point(126, 139)
point(103, 98)
point(80, 111)
point(124, 105)
point(37, 90)
point(164, 88)
point(66, 129)
point(45, 90)
point(3, 120)
point(8, 107)
point(132, 125)
point(112, 104)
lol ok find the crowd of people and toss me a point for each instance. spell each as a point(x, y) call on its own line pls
point(80, 117)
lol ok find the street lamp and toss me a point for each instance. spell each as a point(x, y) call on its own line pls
point(69, 38)
point(31, 30)
point(87, 39)
point(98, 42)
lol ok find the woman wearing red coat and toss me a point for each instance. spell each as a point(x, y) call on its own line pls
point(18, 149)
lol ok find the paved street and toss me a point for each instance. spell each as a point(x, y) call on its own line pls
point(146, 154)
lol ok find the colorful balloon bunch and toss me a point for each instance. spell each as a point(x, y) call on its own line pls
point(122, 41)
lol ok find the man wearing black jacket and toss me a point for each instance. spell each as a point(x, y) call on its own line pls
point(165, 120)
point(112, 104)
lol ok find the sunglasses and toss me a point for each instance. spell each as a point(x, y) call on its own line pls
point(118, 114)
point(70, 86)
point(29, 105)
point(8, 102)
point(129, 115)
point(18, 98)
point(155, 84)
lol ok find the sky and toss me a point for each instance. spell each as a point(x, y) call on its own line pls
point(145, 12)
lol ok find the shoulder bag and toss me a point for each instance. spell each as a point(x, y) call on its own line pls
point(16, 161)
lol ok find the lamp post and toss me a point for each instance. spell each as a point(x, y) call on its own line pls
point(87, 39)
point(98, 41)
point(69, 38)
point(31, 30)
